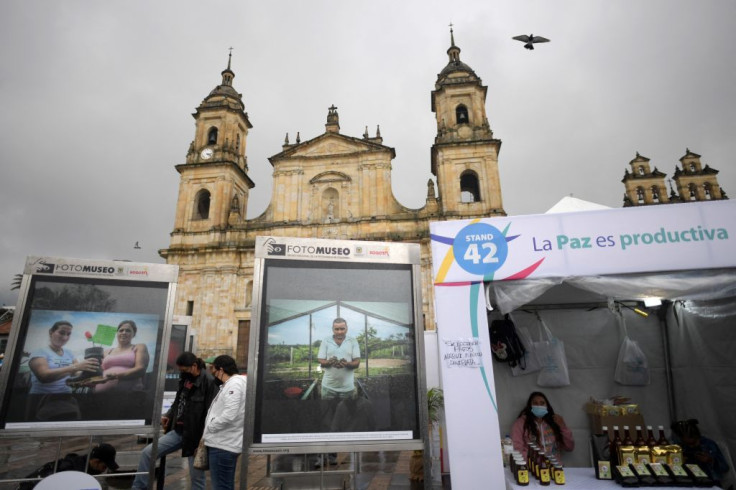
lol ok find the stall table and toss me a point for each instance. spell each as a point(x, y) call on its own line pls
point(577, 479)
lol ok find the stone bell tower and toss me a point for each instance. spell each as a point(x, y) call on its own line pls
point(644, 185)
point(695, 181)
point(214, 185)
point(464, 154)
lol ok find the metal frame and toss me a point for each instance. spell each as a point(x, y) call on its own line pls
point(397, 253)
point(155, 273)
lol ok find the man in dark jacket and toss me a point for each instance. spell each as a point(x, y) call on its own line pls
point(184, 422)
point(101, 459)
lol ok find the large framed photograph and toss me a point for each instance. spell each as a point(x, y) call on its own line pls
point(87, 345)
point(337, 343)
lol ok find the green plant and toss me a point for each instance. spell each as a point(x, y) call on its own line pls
point(435, 404)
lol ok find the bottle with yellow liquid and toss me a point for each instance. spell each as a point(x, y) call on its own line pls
point(558, 474)
point(522, 474)
point(544, 472)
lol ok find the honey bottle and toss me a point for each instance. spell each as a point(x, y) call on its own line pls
point(640, 441)
point(522, 474)
point(558, 474)
point(544, 474)
point(651, 441)
point(627, 437)
point(615, 445)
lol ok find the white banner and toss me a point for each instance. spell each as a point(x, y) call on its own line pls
point(466, 366)
point(641, 239)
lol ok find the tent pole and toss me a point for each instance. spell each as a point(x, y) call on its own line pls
point(666, 307)
point(365, 349)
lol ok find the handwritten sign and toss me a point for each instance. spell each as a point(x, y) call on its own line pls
point(462, 353)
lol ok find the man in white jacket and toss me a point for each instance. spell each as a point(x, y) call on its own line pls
point(223, 430)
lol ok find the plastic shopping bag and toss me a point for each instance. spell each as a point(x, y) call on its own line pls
point(530, 362)
point(632, 368)
point(551, 355)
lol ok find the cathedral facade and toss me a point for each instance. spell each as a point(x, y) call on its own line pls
point(331, 186)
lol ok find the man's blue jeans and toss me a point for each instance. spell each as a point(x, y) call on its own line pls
point(222, 468)
point(167, 444)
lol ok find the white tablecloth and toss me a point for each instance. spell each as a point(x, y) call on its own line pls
point(575, 478)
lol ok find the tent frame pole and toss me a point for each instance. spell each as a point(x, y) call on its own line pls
point(666, 307)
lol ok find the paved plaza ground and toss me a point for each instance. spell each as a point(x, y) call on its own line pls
point(381, 470)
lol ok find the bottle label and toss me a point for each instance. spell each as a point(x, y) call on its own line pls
point(544, 475)
point(522, 476)
point(559, 477)
point(604, 470)
point(695, 469)
point(658, 469)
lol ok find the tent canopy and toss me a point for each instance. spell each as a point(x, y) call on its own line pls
point(561, 269)
point(570, 204)
point(682, 285)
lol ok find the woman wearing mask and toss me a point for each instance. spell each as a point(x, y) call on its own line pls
point(223, 428)
point(183, 423)
point(124, 366)
point(539, 423)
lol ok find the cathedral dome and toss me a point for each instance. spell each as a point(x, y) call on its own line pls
point(456, 71)
point(225, 93)
point(455, 67)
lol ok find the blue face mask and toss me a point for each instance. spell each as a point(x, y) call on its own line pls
point(539, 411)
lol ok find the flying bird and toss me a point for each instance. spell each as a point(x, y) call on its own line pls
point(136, 246)
point(530, 40)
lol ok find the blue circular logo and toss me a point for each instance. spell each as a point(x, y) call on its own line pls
point(480, 248)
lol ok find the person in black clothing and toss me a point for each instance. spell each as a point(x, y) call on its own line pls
point(699, 449)
point(184, 422)
point(101, 459)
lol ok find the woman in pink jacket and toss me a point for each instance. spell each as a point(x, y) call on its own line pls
point(539, 423)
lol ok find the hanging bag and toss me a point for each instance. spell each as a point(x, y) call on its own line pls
point(530, 363)
point(505, 343)
point(632, 367)
point(201, 461)
point(551, 354)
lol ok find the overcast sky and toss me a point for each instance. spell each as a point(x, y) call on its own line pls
point(96, 100)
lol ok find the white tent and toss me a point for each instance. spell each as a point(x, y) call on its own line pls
point(689, 343)
point(566, 267)
point(569, 204)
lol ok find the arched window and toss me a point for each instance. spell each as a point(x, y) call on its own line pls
point(212, 136)
point(461, 114)
point(692, 167)
point(331, 205)
point(706, 191)
point(693, 195)
point(641, 170)
point(640, 195)
point(237, 143)
point(655, 194)
point(469, 188)
point(202, 205)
